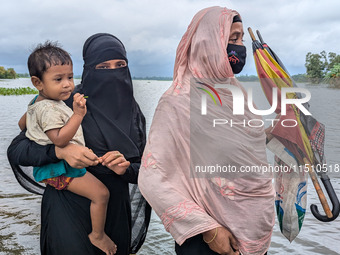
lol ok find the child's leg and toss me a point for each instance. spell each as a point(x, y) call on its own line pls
point(90, 187)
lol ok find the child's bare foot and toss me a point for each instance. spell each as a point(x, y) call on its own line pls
point(103, 242)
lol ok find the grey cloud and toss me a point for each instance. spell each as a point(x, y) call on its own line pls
point(152, 29)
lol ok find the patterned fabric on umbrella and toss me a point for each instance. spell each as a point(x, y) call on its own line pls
point(306, 139)
point(314, 129)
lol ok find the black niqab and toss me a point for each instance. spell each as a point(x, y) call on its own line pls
point(110, 96)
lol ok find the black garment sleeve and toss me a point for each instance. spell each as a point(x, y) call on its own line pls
point(131, 174)
point(23, 151)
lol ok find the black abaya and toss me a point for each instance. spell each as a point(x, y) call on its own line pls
point(66, 220)
point(65, 216)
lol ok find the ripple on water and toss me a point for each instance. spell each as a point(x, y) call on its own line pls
point(157, 240)
point(20, 211)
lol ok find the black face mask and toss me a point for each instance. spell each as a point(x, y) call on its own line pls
point(237, 57)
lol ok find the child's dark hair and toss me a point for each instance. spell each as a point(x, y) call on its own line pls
point(46, 55)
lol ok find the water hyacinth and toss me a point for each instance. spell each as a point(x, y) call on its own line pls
point(17, 91)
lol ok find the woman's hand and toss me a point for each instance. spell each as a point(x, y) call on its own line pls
point(77, 156)
point(269, 129)
point(115, 161)
point(223, 241)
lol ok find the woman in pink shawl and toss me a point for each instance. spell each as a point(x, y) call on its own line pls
point(193, 168)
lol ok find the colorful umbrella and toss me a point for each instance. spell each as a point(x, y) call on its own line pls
point(306, 139)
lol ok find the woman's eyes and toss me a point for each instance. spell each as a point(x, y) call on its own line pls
point(103, 67)
point(235, 40)
point(121, 64)
point(117, 65)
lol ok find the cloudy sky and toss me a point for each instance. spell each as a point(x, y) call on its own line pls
point(152, 29)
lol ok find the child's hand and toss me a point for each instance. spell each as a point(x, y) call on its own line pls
point(79, 104)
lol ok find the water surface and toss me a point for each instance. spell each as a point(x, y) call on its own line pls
point(20, 210)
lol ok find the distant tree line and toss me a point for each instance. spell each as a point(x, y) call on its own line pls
point(23, 75)
point(323, 67)
point(157, 78)
point(7, 74)
point(244, 78)
point(302, 77)
point(27, 75)
point(320, 67)
point(247, 77)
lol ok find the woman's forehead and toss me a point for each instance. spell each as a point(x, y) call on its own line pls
point(237, 27)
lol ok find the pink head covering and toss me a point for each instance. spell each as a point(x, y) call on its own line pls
point(202, 50)
point(180, 138)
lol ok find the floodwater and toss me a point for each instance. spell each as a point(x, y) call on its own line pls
point(20, 210)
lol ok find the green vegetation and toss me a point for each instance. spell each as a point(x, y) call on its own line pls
point(23, 75)
point(17, 91)
point(295, 77)
point(320, 67)
point(159, 78)
point(27, 75)
point(247, 77)
point(323, 68)
point(156, 78)
point(333, 76)
point(300, 77)
point(7, 74)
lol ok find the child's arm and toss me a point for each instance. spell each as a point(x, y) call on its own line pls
point(22, 122)
point(62, 136)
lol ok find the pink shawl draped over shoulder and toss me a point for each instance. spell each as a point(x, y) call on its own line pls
point(242, 202)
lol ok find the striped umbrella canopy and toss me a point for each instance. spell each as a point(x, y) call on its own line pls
point(305, 138)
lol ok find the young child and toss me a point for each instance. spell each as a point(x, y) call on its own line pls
point(49, 120)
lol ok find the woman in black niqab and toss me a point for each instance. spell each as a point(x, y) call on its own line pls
point(114, 122)
point(111, 102)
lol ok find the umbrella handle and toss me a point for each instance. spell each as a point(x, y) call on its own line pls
point(260, 37)
point(318, 189)
point(332, 196)
point(251, 34)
